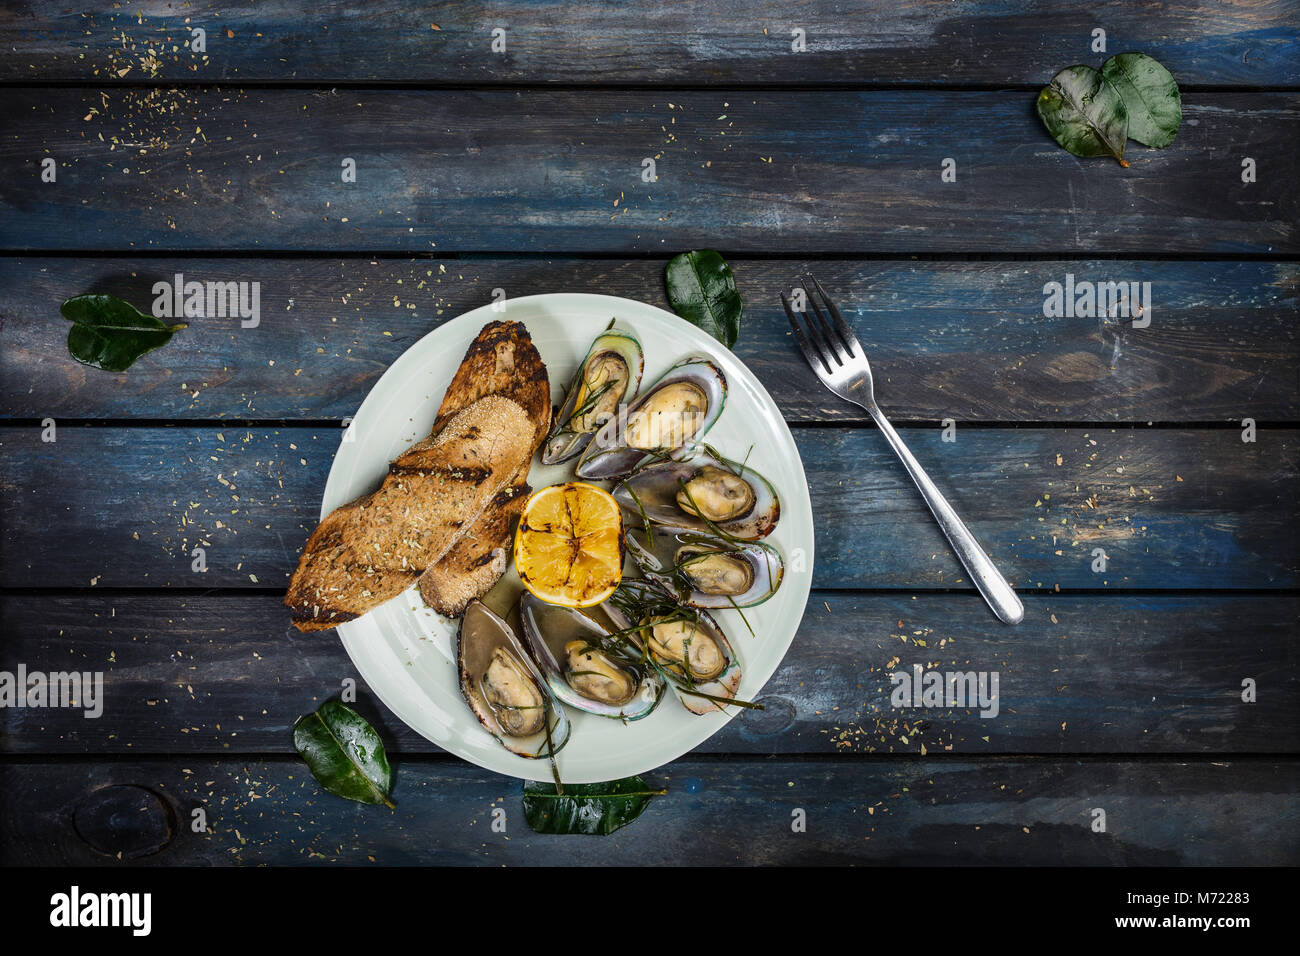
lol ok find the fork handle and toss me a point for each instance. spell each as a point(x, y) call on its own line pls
point(999, 595)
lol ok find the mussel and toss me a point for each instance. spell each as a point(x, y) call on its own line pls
point(608, 376)
point(504, 688)
point(704, 492)
point(678, 409)
point(703, 670)
point(586, 665)
point(704, 570)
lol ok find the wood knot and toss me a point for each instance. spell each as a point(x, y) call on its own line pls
point(124, 821)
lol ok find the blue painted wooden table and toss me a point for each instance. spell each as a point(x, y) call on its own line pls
point(1157, 684)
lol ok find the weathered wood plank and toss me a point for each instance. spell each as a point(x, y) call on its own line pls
point(547, 171)
point(126, 507)
point(696, 41)
point(1095, 674)
point(961, 340)
point(888, 812)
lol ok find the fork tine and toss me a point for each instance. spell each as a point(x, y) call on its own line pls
point(811, 353)
point(843, 327)
point(818, 321)
point(830, 356)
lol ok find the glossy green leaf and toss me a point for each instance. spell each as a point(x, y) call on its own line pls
point(702, 290)
point(110, 333)
point(1084, 113)
point(1150, 94)
point(344, 753)
point(594, 809)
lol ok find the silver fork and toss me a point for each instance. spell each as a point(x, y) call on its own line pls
point(833, 351)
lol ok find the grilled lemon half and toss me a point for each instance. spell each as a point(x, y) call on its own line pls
point(569, 544)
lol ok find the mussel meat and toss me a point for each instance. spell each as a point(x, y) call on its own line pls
point(592, 674)
point(513, 696)
point(671, 415)
point(681, 643)
point(715, 572)
point(716, 495)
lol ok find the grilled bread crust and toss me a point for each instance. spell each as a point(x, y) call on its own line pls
point(501, 360)
point(372, 549)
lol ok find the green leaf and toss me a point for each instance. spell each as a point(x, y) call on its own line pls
point(1084, 113)
point(702, 290)
point(110, 333)
point(1150, 94)
point(344, 753)
point(594, 809)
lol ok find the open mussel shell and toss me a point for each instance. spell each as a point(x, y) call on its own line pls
point(704, 492)
point(704, 671)
point(585, 665)
point(505, 689)
point(703, 570)
point(676, 410)
point(607, 378)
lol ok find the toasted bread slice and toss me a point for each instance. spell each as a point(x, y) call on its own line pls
point(501, 360)
point(476, 562)
point(375, 547)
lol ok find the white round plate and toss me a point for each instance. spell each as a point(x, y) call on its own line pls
point(407, 653)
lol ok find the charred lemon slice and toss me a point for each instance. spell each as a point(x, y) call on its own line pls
point(569, 545)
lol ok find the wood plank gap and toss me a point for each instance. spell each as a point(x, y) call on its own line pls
point(846, 592)
point(442, 757)
point(644, 255)
point(796, 425)
point(732, 85)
